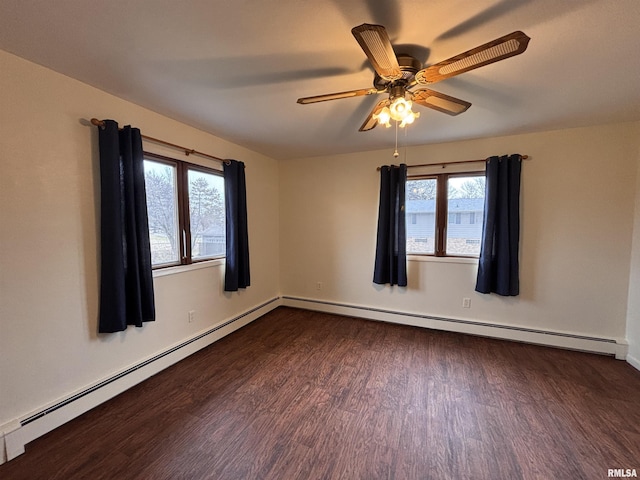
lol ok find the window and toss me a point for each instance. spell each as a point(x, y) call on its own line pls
point(185, 205)
point(448, 209)
point(421, 201)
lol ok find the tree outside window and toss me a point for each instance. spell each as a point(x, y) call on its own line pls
point(448, 211)
point(185, 205)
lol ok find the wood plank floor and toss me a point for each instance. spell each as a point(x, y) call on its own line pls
point(307, 395)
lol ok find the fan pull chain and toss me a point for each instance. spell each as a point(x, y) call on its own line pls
point(395, 153)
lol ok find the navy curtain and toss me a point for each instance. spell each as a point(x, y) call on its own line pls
point(126, 283)
point(498, 264)
point(391, 244)
point(237, 262)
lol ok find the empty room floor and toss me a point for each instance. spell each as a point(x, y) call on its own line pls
point(307, 395)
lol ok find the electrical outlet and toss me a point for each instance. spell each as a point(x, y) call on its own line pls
point(319, 286)
point(192, 316)
point(466, 302)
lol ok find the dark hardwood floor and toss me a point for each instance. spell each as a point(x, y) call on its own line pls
point(307, 395)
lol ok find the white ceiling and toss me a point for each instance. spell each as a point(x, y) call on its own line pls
point(235, 68)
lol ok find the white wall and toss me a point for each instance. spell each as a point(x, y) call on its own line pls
point(633, 312)
point(310, 220)
point(49, 258)
point(578, 192)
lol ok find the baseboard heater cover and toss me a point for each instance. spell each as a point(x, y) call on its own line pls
point(610, 346)
point(109, 380)
point(19, 448)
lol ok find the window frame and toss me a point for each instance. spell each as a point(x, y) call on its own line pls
point(182, 197)
point(442, 210)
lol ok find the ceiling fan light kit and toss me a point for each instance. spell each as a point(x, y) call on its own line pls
point(397, 75)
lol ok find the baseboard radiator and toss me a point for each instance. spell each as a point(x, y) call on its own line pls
point(574, 341)
point(20, 432)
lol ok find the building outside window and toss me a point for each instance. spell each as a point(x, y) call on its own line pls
point(445, 214)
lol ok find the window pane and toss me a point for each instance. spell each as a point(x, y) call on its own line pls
point(421, 211)
point(162, 209)
point(206, 214)
point(466, 209)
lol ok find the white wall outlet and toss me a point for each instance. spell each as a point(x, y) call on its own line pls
point(319, 286)
point(192, 316)
point(466, 302)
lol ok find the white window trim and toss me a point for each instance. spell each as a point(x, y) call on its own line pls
point(449, 259)
point(163, 272)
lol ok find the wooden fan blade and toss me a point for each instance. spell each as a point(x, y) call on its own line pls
point(504, 47)
point(439, 101)
point(376, 45)
point(337, 96)
point(370, 122)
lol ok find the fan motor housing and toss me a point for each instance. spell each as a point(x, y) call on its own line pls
point(409, 66)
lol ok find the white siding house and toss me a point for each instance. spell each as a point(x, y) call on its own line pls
point(464, 218)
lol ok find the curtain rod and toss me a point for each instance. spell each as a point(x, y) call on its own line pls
point(187, 151)
point(444, 164)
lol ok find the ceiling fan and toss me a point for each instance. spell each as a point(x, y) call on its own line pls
point(398, 74)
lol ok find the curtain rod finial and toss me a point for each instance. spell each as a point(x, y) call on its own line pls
point(97, 123)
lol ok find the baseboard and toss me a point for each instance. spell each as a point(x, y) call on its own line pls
point(633, 361)
point(16, 434)
point(569, 340)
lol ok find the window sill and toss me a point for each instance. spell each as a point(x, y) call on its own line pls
point(162, 272)
point(432, 258)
